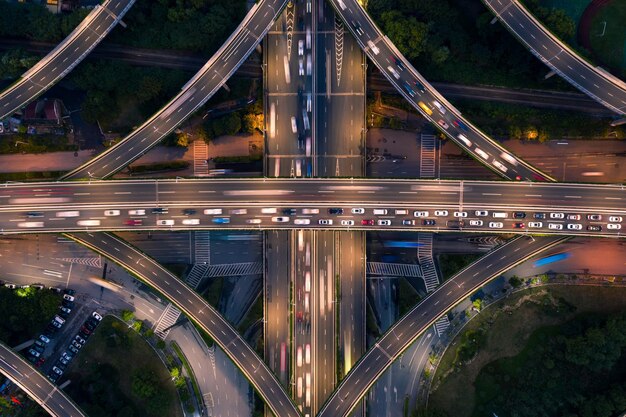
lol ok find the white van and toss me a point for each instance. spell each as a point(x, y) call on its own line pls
point(380, 212)
point(88, 222)
point(68, 213)
point(213, 211)
point(271, 210)
point(500, 215)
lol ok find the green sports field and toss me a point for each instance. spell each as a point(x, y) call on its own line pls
point(608, 36)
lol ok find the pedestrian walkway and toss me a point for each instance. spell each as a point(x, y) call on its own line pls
point(425, 259)
point(202, 247)
point(393, 270)
point(195, 276)
point(442, 325)
point(200, 156)
point(168, 318)
point(427, 155)
point(229, 270)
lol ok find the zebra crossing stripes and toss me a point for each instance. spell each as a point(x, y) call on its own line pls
point(427, 156)
point(169, 316)
point(425, 259)
point(229, 270)
point(200, 156)
point(94, 262)
point(198, 271)
point(202, 247)
point(394, 270)
point(442, 325)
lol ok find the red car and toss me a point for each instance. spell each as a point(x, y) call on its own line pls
point(133, 222)
point(519, 225)
point(366, 222)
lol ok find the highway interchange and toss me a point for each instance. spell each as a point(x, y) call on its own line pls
point(90, 201)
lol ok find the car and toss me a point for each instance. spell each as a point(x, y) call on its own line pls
point(34, 353)
point(519, 225)
point(302, 221)
point(136, 212)
point(373, 47)
point(72, 213)
point(574, 217)
point(441, 212)
point(408, 222)
point(80, 339)
point(384, 222)
point(214, 211)
point(408, 89)
point(308, 33)
point(499, 165)
point(458, 123)
point(96, 316)
point(325, 222)
point(65, 310)
point(496, 225)
point(68, 297)
point(91, 325)
point(401, 212)
point(111, 212)
point(191, 222)
point(596, 217)
point(420, 213)
point(357, 28)
point(428, 222)
point(40, 344)
point(133, 222)
point(159, 210)
point(38, 348)
point(420, 87)
point(441, 109)
point(398, 62)
point(301, 47)
point(253, 221)
point(347, 222)
point(40, 361)
point(10, 286)
point(358, 210)
point(509, 158)
point(481, 213)
point(34, 214)
point(519, 215)
point(574, 226)
point(613, 226)
point(460, 214)
point(189, 212)
point(557, 215)
point(476, 222)
point(289, 211)
point(37, 286)
point(53, 377)
point(300, 67)
point(238, 211)
point(535, 225)
point(555, 226)
point(72, 349)
point(425, 108)
point(615, 219)
point(594, 228)
point(482, 153)
point(85, 331)
point(67, 355)
point(68, 304)
point(464, 139)
point(335, 210)
point(443, 124)
point(393, 72)
point(165, 222)
point(314, 211)
point(64, 361)
point(280, 219)
point(539, 215)
point(44, 339)
point(367, 222)
point(76, 344)
point(221, 220)
point(57, 370)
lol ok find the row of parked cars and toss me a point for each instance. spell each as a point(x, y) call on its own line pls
point(74, 346)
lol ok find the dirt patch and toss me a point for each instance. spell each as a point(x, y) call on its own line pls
point(508, 324)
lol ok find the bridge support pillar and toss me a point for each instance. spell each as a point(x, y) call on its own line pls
point(494, 20)
point(548, 75)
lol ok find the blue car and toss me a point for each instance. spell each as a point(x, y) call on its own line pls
point(221, 220)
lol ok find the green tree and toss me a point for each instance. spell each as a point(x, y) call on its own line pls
point(145, 384)
point(127, 315)
point(440, 55)
point(515, 281)
point(409, 35)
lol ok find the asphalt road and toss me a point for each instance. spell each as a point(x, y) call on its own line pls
point(62, 59)
point(36, 385)
point(197, 309)
point(429, 101)
point(389, 346)
point(597, 83)
point(192, 96)
point(91, 199)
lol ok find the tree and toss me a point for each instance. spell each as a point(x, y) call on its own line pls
point(515, 281)
point(559, 22)
point(477, 304)
point(145, 384)
point(182, 139)
point(440, 55)
point(409, 35)
point(127, 315)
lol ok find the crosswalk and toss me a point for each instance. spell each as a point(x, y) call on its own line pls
point(442, 325)
point(169, 316)
point(202, 247)
point(427, 156)
point(200, 156)
point(425, 259)
point(195, 276)
point(393, 270)
point(229, 270)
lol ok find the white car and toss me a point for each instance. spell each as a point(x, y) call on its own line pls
point(384, 222)
point(310, 211)
point(358, 210)
point(460, 214)
point(373, 47)
point(68, 213)
point(96, 316)
point(326, 222)
point(302, 221)
point(555, 226)
point(300, 47)
point(111, 212)
point(136, 212)
point(191, 222)
point(482, 153)
point(481, 213)
point(557, 215)
point(476, 222)
point(464, 139)
point(441, 212)
point(88, 222)
point(615, 219)
point(499, 165)
point(439, 107)
point(420, 213)
point(393, 72)
point(253, 221)
point(308, 34)
point(280, 219)
point(496, 225)
point(239, 211)
point(574, 226)
point(535, 224)
point(213, 211)
point(68, 297)
point(347, 222)
point(300, 66)
point(510, 159)
point(613, 226)
point(165, 222)
point(294, 125)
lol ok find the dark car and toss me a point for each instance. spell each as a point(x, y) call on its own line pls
point(519, 225)
point(408, 222)
point(69, 291)
point(460, 125)
point(72, 349)
point(420, 87)
point(38, 348)
point(596, 217)
point(594, 228)
point(85, 331)
point(428, 222)
point(159, 210)
point(34, 214)
point(289, 212)
point(189, 212)
point(398, 63)
point(519, 215)
point(68, 304)
point(335, 210)
point(539, 215)
point(53, 377)
point(40, 343)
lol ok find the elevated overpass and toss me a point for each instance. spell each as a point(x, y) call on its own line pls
point(596, 82)
point(64, 57)
point(192, 96)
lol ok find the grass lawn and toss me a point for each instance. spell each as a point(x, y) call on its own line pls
point(508, 333)
point(611, 47)
point(102, 375)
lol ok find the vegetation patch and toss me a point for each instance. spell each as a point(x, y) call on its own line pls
point(608, 37)
point(451, 263)
point(25, 143)
point(118, 374)
point(25, 312)
point(407, 296)
point(158, 167)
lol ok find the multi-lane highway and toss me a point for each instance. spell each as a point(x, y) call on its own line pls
point(399, 336)
point(192, 96)
point(198, 310)
point(80, 206)
point(429, 101)
point(596, 82)
point(36, 385)
point(62, 59)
